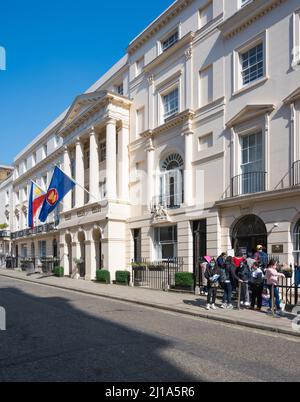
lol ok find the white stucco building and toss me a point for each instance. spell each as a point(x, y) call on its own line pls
point(189, 145)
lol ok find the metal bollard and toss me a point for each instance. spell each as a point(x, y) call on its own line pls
point(239, 296)
point(273, 301)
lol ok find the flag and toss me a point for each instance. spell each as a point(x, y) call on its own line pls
point(59, 187)
point(36, 199)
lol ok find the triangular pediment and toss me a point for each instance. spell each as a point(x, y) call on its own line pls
point(293, 97)
point(82, 105)
point(249, 112)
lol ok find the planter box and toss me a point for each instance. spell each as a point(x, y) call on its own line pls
point(103, 277)
point(59, 272)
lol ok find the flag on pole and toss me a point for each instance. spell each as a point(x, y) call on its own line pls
point(36, 199)
point(59, 187)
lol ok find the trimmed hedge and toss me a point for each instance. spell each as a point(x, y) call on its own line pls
point(184, 279)
point(123, 277)
point(59, 271)
point(103, 276)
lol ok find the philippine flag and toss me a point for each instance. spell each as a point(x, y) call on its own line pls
point(36, 199)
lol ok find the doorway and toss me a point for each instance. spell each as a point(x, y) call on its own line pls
point(249, 232)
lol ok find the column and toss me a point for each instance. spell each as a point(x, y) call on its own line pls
point(94, 167)
point(123, 162)
point(79, 174)
point(67, 169)
point(189, 85)
point(91, 265)
point(111, 159)
point(64, 258)
point(150, 173)
point(151, 101)
point(188, 169)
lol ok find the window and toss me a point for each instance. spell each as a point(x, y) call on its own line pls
point(252, 64)
point(206, 14)
point(86, 157)
point(120, 89)
point(170, 41)
point(171, 103)
point(25, 194)
point(244, 2)
point(25, 165)
point(206, 86)
point(297, 243)
point(205, 142)
point(45, 150)
point(165, 242)
point(140, 121)
point(252, 164)
point(103, 190)
point(102, 152)
point(137, 239)
point(296, 39)
point(44, 182)
point(171, 182)
point(42, 249)
point(140, 66)
point(33, 159)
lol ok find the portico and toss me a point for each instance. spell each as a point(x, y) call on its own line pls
point(96, 138)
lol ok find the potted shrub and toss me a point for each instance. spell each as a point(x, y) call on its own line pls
point(103, 276)
point(59, 272)
point(184, 281)
point(122, 278)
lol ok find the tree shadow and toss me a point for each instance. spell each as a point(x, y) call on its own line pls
point(50, 339)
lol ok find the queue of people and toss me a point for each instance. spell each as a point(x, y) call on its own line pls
point(253, 275)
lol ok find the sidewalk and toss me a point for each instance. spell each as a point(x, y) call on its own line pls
point(175, 302)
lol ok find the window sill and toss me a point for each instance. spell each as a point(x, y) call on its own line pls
point(251, 86)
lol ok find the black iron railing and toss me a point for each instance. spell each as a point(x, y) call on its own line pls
point(168, 202)
point(248, 183)
point(156, 275)
point(296, 173)
point(31, 264)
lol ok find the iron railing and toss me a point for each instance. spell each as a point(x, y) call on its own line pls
point(248, 183)
point(296, 173)
point(158, 275)
point(168, 202)
point(31, 264)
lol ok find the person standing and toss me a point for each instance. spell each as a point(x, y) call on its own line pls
point(221, 261)
point(243, 275)
point(261, 257)
point(272, 276)
point(256, 286)
point(212, 276)
point(227, 282)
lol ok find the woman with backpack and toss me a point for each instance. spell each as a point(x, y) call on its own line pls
point(212, 276)
point(243, 274)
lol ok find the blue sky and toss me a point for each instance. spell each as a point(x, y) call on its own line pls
point(55, 51)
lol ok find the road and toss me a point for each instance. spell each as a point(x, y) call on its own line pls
point(56, 335)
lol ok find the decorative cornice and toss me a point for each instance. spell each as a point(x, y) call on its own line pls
point(158, 24)
point(249, 112)
point(247, 15)
point(186, 40)
point(175, 121)
point(293, 97)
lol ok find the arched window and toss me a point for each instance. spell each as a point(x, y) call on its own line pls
point(297, 242)
point(249, 232)
point(171, 181)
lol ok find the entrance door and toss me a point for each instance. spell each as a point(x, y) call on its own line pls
point(200, 246)
point(248, 233)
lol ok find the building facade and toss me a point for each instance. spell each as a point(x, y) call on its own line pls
point(188, 146)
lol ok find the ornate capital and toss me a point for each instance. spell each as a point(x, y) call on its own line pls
point(189, 53)
point(151, 79)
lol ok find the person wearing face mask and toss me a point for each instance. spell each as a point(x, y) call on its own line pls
point(212, 276)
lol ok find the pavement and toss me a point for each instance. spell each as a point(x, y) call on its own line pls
point(55, 335)
point(182, 303)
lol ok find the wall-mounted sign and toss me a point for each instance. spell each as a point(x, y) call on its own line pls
point(277, 249)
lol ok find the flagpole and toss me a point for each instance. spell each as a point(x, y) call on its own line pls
point(77, 184)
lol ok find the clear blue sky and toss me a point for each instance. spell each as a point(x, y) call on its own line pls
point(55, 51)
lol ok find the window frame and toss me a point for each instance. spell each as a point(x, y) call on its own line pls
point(174, 111)
point(238, 85)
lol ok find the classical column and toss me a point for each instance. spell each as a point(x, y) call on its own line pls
point(111, 159)
point(188, 169)
point(150, 173)
point(67, 170)
point(151, 101)
point(123, 162)
point(94, 167)
point(189, 78)
point(79, 174)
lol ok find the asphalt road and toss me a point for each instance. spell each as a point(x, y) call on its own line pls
point(55, 335)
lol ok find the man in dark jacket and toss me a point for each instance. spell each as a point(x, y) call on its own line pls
point(227, 277)
point(243, 275)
